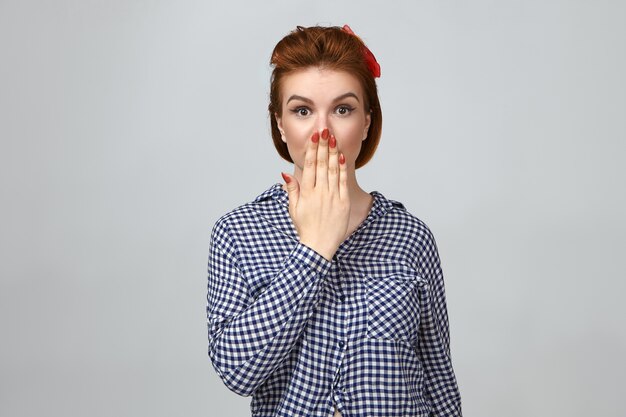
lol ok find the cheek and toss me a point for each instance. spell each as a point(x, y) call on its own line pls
point(350, 137)
point(296, 145)
point(297, 135)
point(293, 130)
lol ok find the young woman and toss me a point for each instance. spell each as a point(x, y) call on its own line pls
point(324, 299)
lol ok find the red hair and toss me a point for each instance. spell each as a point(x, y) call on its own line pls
point(330, 48)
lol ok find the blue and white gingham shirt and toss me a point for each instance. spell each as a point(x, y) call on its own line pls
point(367, 331)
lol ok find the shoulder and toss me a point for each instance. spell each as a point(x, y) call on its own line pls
point(247, 214)
point(417, 235)
point(403, 219)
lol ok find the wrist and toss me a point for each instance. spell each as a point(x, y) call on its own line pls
point(322, 248)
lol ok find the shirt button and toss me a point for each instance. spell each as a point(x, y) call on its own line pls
point(342, 298)
point(341, 344)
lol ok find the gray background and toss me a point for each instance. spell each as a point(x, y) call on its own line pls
point(129, 127)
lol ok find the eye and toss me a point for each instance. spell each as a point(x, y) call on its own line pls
point(344, 110)
point(301, 111)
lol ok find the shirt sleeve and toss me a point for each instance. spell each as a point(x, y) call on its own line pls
point(249, 337)
point(440, 386)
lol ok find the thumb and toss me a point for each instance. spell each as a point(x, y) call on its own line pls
point(293, 189)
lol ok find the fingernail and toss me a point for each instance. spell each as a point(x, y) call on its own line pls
point(316, 137)
point(325, 133)
point(342, 159)
point(285, 177)
point(332, 142)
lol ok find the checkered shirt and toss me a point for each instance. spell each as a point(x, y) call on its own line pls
point(366, 332)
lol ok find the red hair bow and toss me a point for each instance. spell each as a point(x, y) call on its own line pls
point(370, 59)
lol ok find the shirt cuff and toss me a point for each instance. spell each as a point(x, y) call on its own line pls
point(308, 256)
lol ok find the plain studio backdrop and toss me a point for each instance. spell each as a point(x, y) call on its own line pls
point(129, 127)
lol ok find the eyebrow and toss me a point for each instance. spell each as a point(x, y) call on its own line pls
point(308, 100)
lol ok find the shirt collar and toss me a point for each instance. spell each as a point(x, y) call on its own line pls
point(381, 204)
point(284, 224)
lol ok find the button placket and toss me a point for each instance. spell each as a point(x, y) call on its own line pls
point(342, 286)
point(342, 307)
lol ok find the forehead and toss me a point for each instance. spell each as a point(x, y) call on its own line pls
point(319, 84)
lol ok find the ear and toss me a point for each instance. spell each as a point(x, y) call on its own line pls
point(368, 121)
point(279, 123)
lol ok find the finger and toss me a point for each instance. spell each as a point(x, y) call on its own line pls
point(310, 161)
point(333, 165)
point(343, 177)
point(321, 175)
point(293, 189)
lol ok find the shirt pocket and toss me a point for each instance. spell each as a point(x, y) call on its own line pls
point(395, 299)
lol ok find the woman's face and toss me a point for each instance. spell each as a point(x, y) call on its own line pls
point(314, 99)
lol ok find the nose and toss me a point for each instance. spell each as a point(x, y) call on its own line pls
point(322, 122)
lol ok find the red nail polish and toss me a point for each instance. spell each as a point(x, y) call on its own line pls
point(332, 142)
point(316, 137)
point(325, 133)
point(286, 178)
point(342, 159)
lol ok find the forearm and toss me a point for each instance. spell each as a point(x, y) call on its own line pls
point(245, 348)
point(440, 386)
